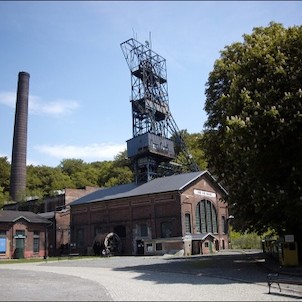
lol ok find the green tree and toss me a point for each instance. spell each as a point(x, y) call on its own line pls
point(104, 169)
point(44, 181)
point(72, 165)
point(88, 176)
point(4, 180)
point(81, 173)
point(116, 172)
point(253, 134)
point(193, 142)
point(121, 172)
point(122, 160)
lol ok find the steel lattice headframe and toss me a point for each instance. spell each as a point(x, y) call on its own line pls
point(149, 95)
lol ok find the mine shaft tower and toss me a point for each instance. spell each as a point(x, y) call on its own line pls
point(151, 149)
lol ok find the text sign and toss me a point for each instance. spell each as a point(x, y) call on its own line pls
point(289, 238)
point(204, 193)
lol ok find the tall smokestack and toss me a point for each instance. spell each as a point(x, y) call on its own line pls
point(18, 165)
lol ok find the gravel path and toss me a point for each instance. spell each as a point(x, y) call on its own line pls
point(212, 278)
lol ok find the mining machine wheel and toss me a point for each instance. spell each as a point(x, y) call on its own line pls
point(107, 244)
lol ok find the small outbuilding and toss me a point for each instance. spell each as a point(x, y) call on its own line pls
point(22, 234)
point(181, 214)
point(56, 209)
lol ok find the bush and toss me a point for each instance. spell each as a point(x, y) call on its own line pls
point(245, 241)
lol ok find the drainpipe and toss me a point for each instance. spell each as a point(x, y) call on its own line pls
point(46, 239)
point(45, 242)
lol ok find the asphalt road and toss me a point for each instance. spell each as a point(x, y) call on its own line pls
point(233, 276)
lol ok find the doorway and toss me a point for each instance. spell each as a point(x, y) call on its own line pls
point(140, 247)
point(19, 251)
point(196, 247)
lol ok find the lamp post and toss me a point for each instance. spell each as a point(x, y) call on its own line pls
point(228, 225)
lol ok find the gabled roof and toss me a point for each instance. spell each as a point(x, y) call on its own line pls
point(13, 216)
point(202, 236)
point(47, 215)
point(158, 185)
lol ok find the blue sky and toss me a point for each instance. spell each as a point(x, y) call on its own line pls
point(79, 103)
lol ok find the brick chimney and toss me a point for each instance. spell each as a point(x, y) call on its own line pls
point(18, 164)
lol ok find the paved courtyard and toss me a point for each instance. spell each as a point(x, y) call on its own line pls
point(233, 276)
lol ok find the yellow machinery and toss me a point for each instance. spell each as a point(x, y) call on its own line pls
point(288, 253)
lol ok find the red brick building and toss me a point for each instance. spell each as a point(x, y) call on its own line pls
point(56, 209)
point(22, 234)
point(180, 214)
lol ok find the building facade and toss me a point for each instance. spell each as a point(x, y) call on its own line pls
point(23, 234)
point(57, 210)
point(180, 214)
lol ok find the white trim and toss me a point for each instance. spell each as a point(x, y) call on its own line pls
point(20, 217)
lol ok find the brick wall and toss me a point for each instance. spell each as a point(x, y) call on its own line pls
point(156, 211)
point(15, 243)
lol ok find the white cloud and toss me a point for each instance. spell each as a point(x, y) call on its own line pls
point(57, 107)
point(8, 99)
point(40, 107)
point(94, 152)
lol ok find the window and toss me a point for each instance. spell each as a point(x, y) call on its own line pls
point(206, 217)
point(166, 229)
point(2, 242)
point(159, 246)
point(143, 229)
point(223, 224)
point(149, 247)
point(97, 230)
point(120, 230)
point(188, 223)
point(198, 228)
point(20, 233)
point(36, 247)
point(80, 237)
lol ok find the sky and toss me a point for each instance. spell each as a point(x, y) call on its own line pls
point(80, 83)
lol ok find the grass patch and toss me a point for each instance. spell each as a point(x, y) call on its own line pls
point(33, 260)
point(23, 260)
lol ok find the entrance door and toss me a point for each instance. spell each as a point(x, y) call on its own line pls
point(139, 247)
point(196, 247)
point(211, 247)
point(19, 252)
point(20, 242)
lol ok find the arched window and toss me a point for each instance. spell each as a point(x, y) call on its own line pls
point(206, 217)
point(223, 224)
